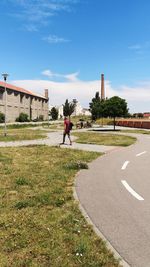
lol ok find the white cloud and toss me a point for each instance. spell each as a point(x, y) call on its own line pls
point(72, 77)
point(39, 11)
point(53, 39)
point(48, 73)
point(138, 97)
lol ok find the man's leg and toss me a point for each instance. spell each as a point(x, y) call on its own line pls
point(64, 136)
point(69, 138)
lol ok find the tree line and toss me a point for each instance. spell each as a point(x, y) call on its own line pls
point(110, 107)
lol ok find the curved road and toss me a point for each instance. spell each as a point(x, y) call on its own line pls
point(115, 193)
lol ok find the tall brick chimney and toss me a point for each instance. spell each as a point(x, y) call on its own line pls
point(46, 93)
point(102, 87)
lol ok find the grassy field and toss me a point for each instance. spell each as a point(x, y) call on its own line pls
point(59, 126)
point(23, 125)
point(104, 139)
point(21, 134)
point(136, 131)
point(40, 223)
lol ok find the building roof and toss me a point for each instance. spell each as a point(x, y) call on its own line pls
point(19, 89)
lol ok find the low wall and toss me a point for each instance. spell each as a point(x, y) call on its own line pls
point(134, 123)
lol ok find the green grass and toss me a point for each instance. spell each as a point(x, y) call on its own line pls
point(136, 131)
point(23, 125)
point(21, 134)
point(58, 126)
point(40, 223)
point(104, 139)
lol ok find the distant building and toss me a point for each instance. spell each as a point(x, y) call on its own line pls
point(20, 100)
point(86, 112)
point(78, 108)
point(60, 111)
point(79, 111)
point(146, 115)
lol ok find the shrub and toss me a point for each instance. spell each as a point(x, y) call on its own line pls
point(2, 117)
point(23, 117)
point(77, 165)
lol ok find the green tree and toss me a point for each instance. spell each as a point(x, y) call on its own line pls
point(68, 108)
point(54, 113)
point(115, 107)
point(97, 107)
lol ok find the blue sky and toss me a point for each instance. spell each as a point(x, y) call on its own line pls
point(65, 45)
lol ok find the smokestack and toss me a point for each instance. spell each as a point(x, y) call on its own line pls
point(102, 87)
point(46, 93)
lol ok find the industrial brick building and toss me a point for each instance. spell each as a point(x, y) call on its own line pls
point(20, 100)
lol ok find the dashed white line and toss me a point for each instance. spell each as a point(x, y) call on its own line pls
point(125, 165)
point(137, 155)
point(133, 193)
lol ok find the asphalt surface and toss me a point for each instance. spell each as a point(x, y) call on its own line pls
point(115, 193)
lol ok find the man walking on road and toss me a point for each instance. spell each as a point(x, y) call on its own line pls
point(67, 129)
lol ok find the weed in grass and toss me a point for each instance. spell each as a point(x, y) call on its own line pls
point(22, 181)
point(58, 190)
point(77, 165)
point(81, 248)
point(59, 202)
point(44, 198)
point(7, 170)
point(24, 204)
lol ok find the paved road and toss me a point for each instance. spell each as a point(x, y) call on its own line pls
point(115, 193)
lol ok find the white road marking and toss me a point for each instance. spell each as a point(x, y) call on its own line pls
point(133, 193)
point(137, 155)
point(125, 165)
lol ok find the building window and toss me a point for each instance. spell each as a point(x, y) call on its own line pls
point(16, 93)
